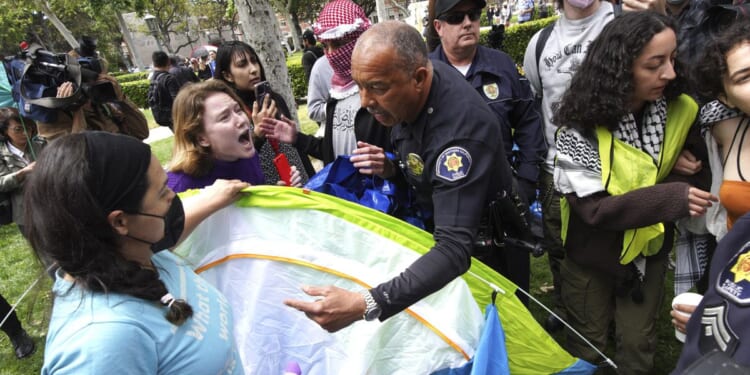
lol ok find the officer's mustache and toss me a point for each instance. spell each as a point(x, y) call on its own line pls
point(374, 111)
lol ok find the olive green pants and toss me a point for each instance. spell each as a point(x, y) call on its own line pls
point(549, 198)
point(591, 305)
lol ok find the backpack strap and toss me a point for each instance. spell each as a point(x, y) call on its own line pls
point(542, 41)
point(539, 48)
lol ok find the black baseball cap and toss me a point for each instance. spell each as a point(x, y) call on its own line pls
point(443, 6)
point(309, 36)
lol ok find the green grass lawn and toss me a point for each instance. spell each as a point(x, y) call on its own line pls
point(20, 269)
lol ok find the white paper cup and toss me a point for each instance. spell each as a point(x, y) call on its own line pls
point(690, 299)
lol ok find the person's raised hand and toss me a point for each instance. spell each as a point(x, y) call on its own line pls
point(370, 159)
point(284, 130)
point(639, 5)
point(65, 90)
point(336, 309)
point(263, 110)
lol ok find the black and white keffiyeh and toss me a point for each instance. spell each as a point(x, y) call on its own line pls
point(578, 167)
point(651, 136)
point(713, 112)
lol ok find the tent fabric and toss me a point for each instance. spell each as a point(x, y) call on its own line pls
point(490, 356)
point(261, 250)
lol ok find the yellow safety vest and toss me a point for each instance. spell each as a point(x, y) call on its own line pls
point(633, 169)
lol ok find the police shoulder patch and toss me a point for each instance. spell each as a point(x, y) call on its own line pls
point(453, 164)
point(734, 280)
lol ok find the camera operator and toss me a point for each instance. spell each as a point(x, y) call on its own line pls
point(104, 107)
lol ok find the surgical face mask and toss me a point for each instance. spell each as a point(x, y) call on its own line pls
point(174, 224)
point(581, 4)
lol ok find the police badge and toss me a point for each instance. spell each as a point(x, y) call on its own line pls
point(491, 91)
point(415, 164)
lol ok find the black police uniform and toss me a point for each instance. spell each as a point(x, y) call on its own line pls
point(495, 77)
point(721, 322)
point(453, 157)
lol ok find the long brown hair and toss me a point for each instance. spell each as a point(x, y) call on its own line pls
point(188, 156)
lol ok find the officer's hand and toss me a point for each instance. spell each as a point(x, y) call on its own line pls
point(371, 159)
point(284, 130)
point(337, 309)
point(687, 164)
point(681, 315)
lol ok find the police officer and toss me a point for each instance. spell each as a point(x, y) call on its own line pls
point(494, 76)
point(718, 326)
point(451, 152)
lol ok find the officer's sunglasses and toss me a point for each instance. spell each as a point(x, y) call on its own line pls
point(455, 18)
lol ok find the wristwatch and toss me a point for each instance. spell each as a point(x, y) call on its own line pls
point(372, 311)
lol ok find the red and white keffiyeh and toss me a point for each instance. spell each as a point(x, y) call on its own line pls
point(344, 21)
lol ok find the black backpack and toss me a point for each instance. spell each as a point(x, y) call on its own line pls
point(159, 99)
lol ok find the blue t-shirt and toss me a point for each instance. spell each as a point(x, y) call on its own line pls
point(246, 170)
point(97, 333)
point(527, 4)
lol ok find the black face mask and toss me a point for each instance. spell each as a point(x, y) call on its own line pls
point(174, 224)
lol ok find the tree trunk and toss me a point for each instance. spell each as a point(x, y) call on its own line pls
point(58, 24)
point(129, 41)
point(296, 36)
point(262, 31)
point(404, 9)
point(380, 7)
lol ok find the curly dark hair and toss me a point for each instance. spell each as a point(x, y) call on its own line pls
point(709, 74)
point(601, 89)
point(68, 225)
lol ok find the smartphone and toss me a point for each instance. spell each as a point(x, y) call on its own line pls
point(282, 166)
point(262, 89)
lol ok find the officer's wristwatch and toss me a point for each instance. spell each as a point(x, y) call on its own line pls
point(372, 311)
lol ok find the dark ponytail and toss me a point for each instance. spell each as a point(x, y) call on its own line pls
point(178, 309)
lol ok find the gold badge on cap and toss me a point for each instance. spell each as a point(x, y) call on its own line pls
point(491, 90)
point(415, 164)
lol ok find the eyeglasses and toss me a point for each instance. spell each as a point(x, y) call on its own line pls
point(455, 18)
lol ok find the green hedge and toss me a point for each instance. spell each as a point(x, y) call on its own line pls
point(297, 75)
point(136, 91)
point(517, 37)
point(130, 77)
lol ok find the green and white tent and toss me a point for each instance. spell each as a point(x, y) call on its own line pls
point(261, 250)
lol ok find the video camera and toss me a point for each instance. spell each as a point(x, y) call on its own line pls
point(37, 73)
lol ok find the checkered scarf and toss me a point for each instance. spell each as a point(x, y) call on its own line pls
point(345, 21)
point(652, 134)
